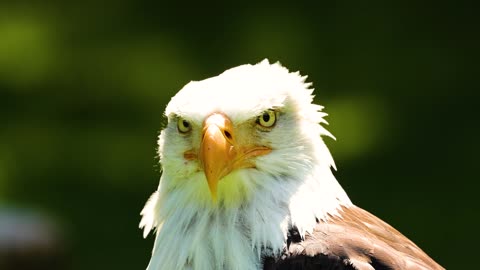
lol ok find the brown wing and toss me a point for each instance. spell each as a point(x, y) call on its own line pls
point(354, 240)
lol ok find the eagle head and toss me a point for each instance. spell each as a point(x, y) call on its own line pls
point(242, 162)
point(230, 135)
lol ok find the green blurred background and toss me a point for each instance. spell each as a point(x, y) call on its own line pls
point(83, 87)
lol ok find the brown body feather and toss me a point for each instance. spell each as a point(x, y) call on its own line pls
point(355, 239)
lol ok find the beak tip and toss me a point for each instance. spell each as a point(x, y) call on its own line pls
point(212, 186)
point(213, 195)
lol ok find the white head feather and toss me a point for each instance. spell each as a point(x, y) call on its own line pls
point(291, 186)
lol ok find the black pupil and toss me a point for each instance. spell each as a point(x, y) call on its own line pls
point(266, 117)
point(185, 123)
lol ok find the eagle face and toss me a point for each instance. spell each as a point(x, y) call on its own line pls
point(230, 135)
point(242, 163)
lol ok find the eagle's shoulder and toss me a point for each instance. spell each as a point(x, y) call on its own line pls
point(355, 239)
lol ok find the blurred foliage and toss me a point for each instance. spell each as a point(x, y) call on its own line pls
point(83, 87)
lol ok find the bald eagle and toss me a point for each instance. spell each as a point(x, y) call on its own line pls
point(247, 184)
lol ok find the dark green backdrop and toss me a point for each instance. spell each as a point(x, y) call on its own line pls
point(83, 87)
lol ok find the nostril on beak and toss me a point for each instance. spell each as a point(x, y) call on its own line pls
point(227, 135)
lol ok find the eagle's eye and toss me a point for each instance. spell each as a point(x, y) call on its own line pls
point(267, 119)
point(183, 125)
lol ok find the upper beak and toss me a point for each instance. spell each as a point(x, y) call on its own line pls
point(220, 154)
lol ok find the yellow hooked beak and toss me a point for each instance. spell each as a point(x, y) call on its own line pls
point(220, 153)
